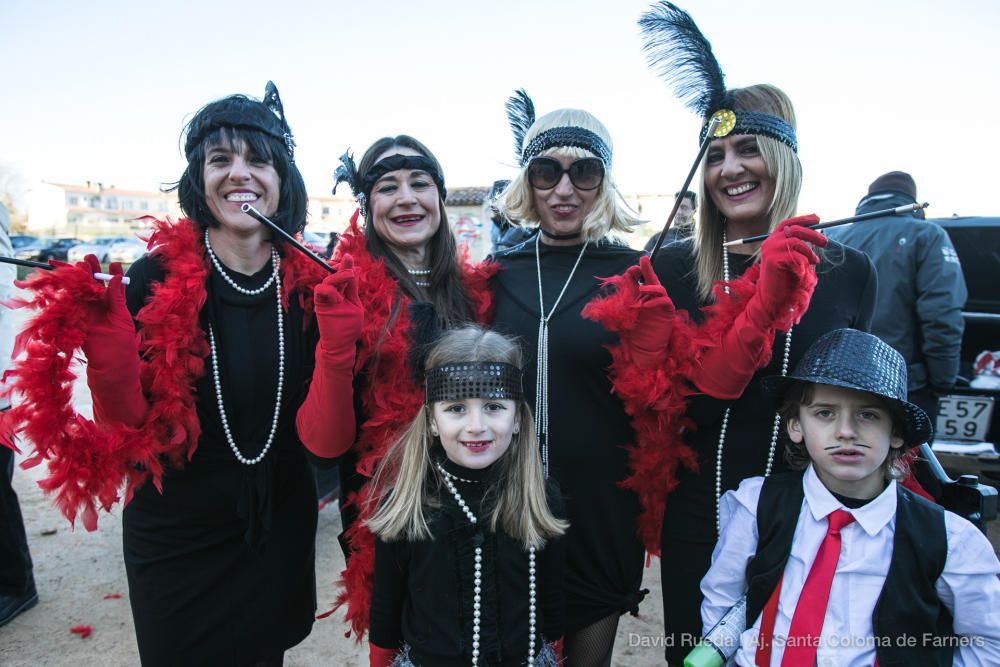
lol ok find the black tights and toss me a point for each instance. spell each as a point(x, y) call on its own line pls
point(593, 645)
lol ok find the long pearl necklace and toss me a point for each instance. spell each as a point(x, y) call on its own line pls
point(477, 589)
point(725, 417)
point(542, 355)
point(276, 280)
point(232, 283)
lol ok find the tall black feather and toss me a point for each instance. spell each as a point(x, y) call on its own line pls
point(273, 102)
point(347, 172)
point(682, 56)
point(521, 115)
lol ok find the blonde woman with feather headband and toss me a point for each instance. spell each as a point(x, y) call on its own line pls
point(610, 365)
point(750, 183)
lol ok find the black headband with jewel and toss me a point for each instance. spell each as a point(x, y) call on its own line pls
point(473, 379)
point(677, 49)
point(239, 111)
point(521, 115)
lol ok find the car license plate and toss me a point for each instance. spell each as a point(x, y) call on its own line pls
point(964, 417)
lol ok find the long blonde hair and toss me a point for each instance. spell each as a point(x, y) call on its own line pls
point(782, 164)
point(406, 481)
point(610, 213)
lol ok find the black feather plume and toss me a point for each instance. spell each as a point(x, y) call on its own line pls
point(521, 114)
point(273, 102)
point(347, 172)
point(682, 56)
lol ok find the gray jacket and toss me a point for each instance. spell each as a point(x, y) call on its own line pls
point(921, 290)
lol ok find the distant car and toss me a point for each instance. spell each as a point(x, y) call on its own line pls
point(127, 251)
point(21, 240)
point(98, 247)
point(314, 242)
point(45, 249)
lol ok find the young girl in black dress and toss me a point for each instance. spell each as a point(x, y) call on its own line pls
point(468, 557)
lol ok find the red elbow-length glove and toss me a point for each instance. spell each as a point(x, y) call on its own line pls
point(785, 285)
point(325, 421)
point(655, 316)
point(112, 353)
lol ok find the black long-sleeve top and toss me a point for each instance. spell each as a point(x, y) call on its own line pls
point(423, 590)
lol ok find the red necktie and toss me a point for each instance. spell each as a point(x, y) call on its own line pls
point(807, 622)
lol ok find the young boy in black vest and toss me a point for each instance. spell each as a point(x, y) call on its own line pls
point(840, 564)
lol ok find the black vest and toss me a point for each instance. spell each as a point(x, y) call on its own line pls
point(908, 612)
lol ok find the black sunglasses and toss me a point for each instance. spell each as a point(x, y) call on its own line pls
point(544, 173)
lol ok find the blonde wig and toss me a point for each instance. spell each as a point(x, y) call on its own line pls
point(610, 213)
point(782, 164)
point(407, 482)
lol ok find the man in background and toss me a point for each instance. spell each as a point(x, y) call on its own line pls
point(17, 583)
point(921, 289)
point(683, 225)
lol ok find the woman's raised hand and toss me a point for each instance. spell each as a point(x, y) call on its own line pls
point(655, 315)
point(786, 271)
point(339, 313)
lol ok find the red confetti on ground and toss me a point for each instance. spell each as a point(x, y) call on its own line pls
point(113, 596)
point(82, 630)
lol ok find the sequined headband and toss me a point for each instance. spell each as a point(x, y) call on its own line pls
point(397, 162)
point(577, 137)
point(473, 379)
point(752, 122)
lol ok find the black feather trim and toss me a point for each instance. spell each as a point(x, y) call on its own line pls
point(521, 114)
point(682, 56)
point(273, 102)
point(347, 172)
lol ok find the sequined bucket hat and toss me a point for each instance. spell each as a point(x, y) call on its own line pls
point(857, 360)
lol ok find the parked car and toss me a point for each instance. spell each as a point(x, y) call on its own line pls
point(967, 419)
point(43, 250)
point(98, 247)
point(21, 240)
point(126, 251)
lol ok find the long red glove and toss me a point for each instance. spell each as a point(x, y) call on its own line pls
point(112, 353)
point(784, 286)
point(325, 421)
point(655, 315)
point(380, 657)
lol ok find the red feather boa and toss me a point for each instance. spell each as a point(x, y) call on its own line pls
point(390, 399)
point(90, 463)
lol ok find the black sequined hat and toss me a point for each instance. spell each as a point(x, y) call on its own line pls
point(857, 360)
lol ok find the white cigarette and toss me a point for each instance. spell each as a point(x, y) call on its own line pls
point(108, 276)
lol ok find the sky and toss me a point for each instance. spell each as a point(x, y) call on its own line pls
point(100, 90)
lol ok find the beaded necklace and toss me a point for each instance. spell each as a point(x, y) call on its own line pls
point(769, 464)
point(276, 280)
point(420, 282)
point(478, 577)
point(542, 355)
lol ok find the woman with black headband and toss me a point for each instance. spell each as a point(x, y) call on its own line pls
point(750, 182)
point(411, 283)
point(232, 324)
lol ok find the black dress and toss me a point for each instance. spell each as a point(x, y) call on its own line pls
point(423, 590)
point(588, 427)
point(844, 297)
point(221, 566)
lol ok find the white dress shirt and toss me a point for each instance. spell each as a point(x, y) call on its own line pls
point(968, 586)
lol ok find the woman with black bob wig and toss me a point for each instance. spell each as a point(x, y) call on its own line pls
point(198, 370)
point(413, 283)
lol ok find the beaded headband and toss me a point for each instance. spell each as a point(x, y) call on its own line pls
point(347, 172)
point(752, 122)
point(473, 379)
point(521, 116)
point(239, 111)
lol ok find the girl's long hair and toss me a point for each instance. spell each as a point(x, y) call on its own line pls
point(782, 164)
point(406, 481)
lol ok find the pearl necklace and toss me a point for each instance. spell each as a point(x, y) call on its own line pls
point(769, 464)
point(478, 578)
point(542, 355)
point(232, 283)
point(276, 279)
point(420, 272)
